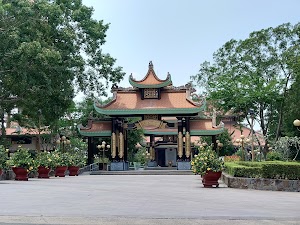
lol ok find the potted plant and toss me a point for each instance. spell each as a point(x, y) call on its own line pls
point(3, 158)
point(102, 162)
point(62, 161)
point(22, 163)
point(140, 158)
point(208, 165)
point(45, 162)
point(76, 161)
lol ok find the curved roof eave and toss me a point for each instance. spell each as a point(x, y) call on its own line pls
point(148, 111)
point(163, 84)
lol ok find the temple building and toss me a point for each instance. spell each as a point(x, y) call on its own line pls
point(167, 115)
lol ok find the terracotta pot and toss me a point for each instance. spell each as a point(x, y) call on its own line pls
point(43, 172)
point(73, 170)
point(211, 178)
point(1, 172)
point(60, 171)
point(21, 173)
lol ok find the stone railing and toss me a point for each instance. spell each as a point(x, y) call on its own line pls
point(261, 183)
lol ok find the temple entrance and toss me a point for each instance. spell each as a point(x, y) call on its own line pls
point(161, 157)
point(167, 115)
point(170, 157)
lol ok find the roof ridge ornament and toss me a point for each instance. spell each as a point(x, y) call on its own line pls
point(150, 65)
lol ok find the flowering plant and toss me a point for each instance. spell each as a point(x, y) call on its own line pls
point(206, 160)
point(61, 158)
point(3, 157)
point(22, 158)
point(76, 159)
point(45, 159)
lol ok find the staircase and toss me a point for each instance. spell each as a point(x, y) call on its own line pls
point(146, 171)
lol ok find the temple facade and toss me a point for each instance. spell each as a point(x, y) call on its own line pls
point(167, 115)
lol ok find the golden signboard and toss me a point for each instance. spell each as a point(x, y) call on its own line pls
point(150, 124)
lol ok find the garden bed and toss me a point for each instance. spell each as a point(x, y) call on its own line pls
point(261, 183)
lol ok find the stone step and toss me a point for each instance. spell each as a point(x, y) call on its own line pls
point(143, 172)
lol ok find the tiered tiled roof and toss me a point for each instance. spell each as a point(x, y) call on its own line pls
point(204, 127)
point(150, 80)
point(130, 102)
point(171, 101)
point(96, 129)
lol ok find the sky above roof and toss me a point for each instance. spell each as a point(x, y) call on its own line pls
point(178, 35)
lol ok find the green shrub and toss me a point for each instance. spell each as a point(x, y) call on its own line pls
point(274, 155)
point(281, 170)
point(268, 169)
point(3, 157)
point(239, 170)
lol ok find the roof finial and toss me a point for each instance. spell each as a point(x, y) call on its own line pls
point(150, 65)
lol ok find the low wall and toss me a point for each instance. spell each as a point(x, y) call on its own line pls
point(261, 183)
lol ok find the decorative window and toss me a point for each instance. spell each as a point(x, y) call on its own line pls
point(150, 93)
point(151, 117)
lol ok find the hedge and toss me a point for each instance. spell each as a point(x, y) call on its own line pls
point(267, 169)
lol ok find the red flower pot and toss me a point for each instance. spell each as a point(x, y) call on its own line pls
point(60, 171)
point(21, 173)
point(1, 172)
point(73, 170)
point(43, 172)
point(211, 178)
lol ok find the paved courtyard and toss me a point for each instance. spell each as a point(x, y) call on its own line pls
point(142, 199)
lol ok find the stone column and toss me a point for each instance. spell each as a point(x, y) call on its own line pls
point(90, 151)
point(180, 138)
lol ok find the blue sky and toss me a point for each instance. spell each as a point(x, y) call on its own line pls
point(178, 35)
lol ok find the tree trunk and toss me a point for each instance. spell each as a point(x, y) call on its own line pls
point(278, 131)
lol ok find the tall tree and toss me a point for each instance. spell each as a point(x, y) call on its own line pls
point(50, 49)
point(254, 73)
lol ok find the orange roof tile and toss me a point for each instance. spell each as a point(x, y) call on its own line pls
point(23, 131)
point(150, 80)
point(97, 126)
point(132, 100)
point(201, 125)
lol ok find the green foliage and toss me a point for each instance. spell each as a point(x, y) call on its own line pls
point(133, 137)
point(238, 170)
point(288, 147)
point(271, 169)
point(98, 159)
point(3, 157)
point(206, 160)
point(61, 158)
point(141, 156)
point(274, 156)
point(226, 139)
point(291, 110)
point(254, 73)
point(22, 158)
point(288, 170)
point(45, 159)
point(55, 49)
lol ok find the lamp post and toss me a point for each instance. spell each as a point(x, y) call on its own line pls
point(103, 147)
point(219, 146)
point(251, 111)
point(242, 141)
point(63, 141)
point(297, 124)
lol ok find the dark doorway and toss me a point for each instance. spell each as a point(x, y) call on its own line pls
point(161, 157)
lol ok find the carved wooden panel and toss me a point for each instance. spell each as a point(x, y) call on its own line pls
point(150, 93)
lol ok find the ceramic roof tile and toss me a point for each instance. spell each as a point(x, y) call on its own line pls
point(132, 100)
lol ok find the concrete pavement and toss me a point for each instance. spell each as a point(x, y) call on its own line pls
point(143, 199)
